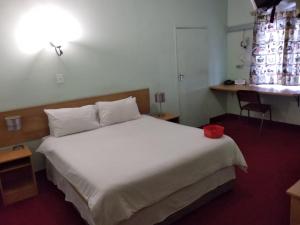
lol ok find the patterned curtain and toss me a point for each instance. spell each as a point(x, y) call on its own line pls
point(276, 50)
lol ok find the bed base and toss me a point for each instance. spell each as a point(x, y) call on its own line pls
point(218, 188)
point(224, 188)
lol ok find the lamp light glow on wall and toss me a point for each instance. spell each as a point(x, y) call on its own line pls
point(46, 26)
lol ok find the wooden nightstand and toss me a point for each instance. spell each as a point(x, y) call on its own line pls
point(294, 193)
point(17, 179)
point(168, 117)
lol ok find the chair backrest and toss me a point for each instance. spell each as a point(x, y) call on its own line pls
point(248, 96)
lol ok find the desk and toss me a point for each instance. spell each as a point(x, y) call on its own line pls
point(294, 193)
point(262, 90)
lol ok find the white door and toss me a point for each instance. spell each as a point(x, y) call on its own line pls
point(193, 80)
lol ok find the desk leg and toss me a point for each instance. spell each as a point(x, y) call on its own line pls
point(298, 100)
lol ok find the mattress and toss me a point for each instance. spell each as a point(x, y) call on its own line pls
point(121, 169)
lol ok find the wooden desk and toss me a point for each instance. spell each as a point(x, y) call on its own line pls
point(262, 90)
point(294, 193)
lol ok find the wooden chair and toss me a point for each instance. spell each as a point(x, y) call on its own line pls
point(250, 101)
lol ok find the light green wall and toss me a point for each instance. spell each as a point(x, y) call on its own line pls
point(126, 44)
point(284, 109)
point(239, 12)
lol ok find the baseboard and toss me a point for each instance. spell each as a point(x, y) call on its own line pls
point(208, 197)
point(219, 118)
point(225, 116)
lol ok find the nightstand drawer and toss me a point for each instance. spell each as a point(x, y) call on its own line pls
point(19, 192)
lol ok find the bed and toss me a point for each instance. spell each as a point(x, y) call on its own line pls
point(140, 171)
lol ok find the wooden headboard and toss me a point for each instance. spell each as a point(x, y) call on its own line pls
point(35, 122)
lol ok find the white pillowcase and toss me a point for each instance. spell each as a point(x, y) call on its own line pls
point(72, 120)
point(117, 111)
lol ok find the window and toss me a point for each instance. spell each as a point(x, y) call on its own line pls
point(276, 50)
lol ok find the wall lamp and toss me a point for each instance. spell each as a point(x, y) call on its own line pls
point(57, 48)
point(13, 123)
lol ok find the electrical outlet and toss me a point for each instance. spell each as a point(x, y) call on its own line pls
point(60, 79)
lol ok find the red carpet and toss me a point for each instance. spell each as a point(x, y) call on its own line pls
point(259, 197)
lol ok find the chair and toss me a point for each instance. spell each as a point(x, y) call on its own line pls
point(250, 101)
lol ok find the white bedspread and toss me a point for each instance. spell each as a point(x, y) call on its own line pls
point(123, 168)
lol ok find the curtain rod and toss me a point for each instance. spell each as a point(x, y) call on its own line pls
point(241, 27)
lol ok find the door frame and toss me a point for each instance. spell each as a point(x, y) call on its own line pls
point(177, 59)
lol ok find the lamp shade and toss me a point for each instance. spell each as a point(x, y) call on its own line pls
point(160, 97)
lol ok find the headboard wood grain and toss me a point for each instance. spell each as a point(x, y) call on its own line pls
point(35, 122)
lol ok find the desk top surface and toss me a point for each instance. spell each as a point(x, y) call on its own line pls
point(283, 91)
point(294, 190)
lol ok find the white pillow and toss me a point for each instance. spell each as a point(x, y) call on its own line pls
point(117, 111)
point(72, 120)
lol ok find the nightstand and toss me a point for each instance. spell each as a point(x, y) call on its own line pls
point(168, 117)
point(294, 193)
point(17, 179)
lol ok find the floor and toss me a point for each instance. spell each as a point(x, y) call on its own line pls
point(259, 196)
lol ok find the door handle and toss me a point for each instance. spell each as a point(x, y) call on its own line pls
point(180, 77)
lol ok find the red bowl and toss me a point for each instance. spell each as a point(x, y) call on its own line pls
point(213, 131)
